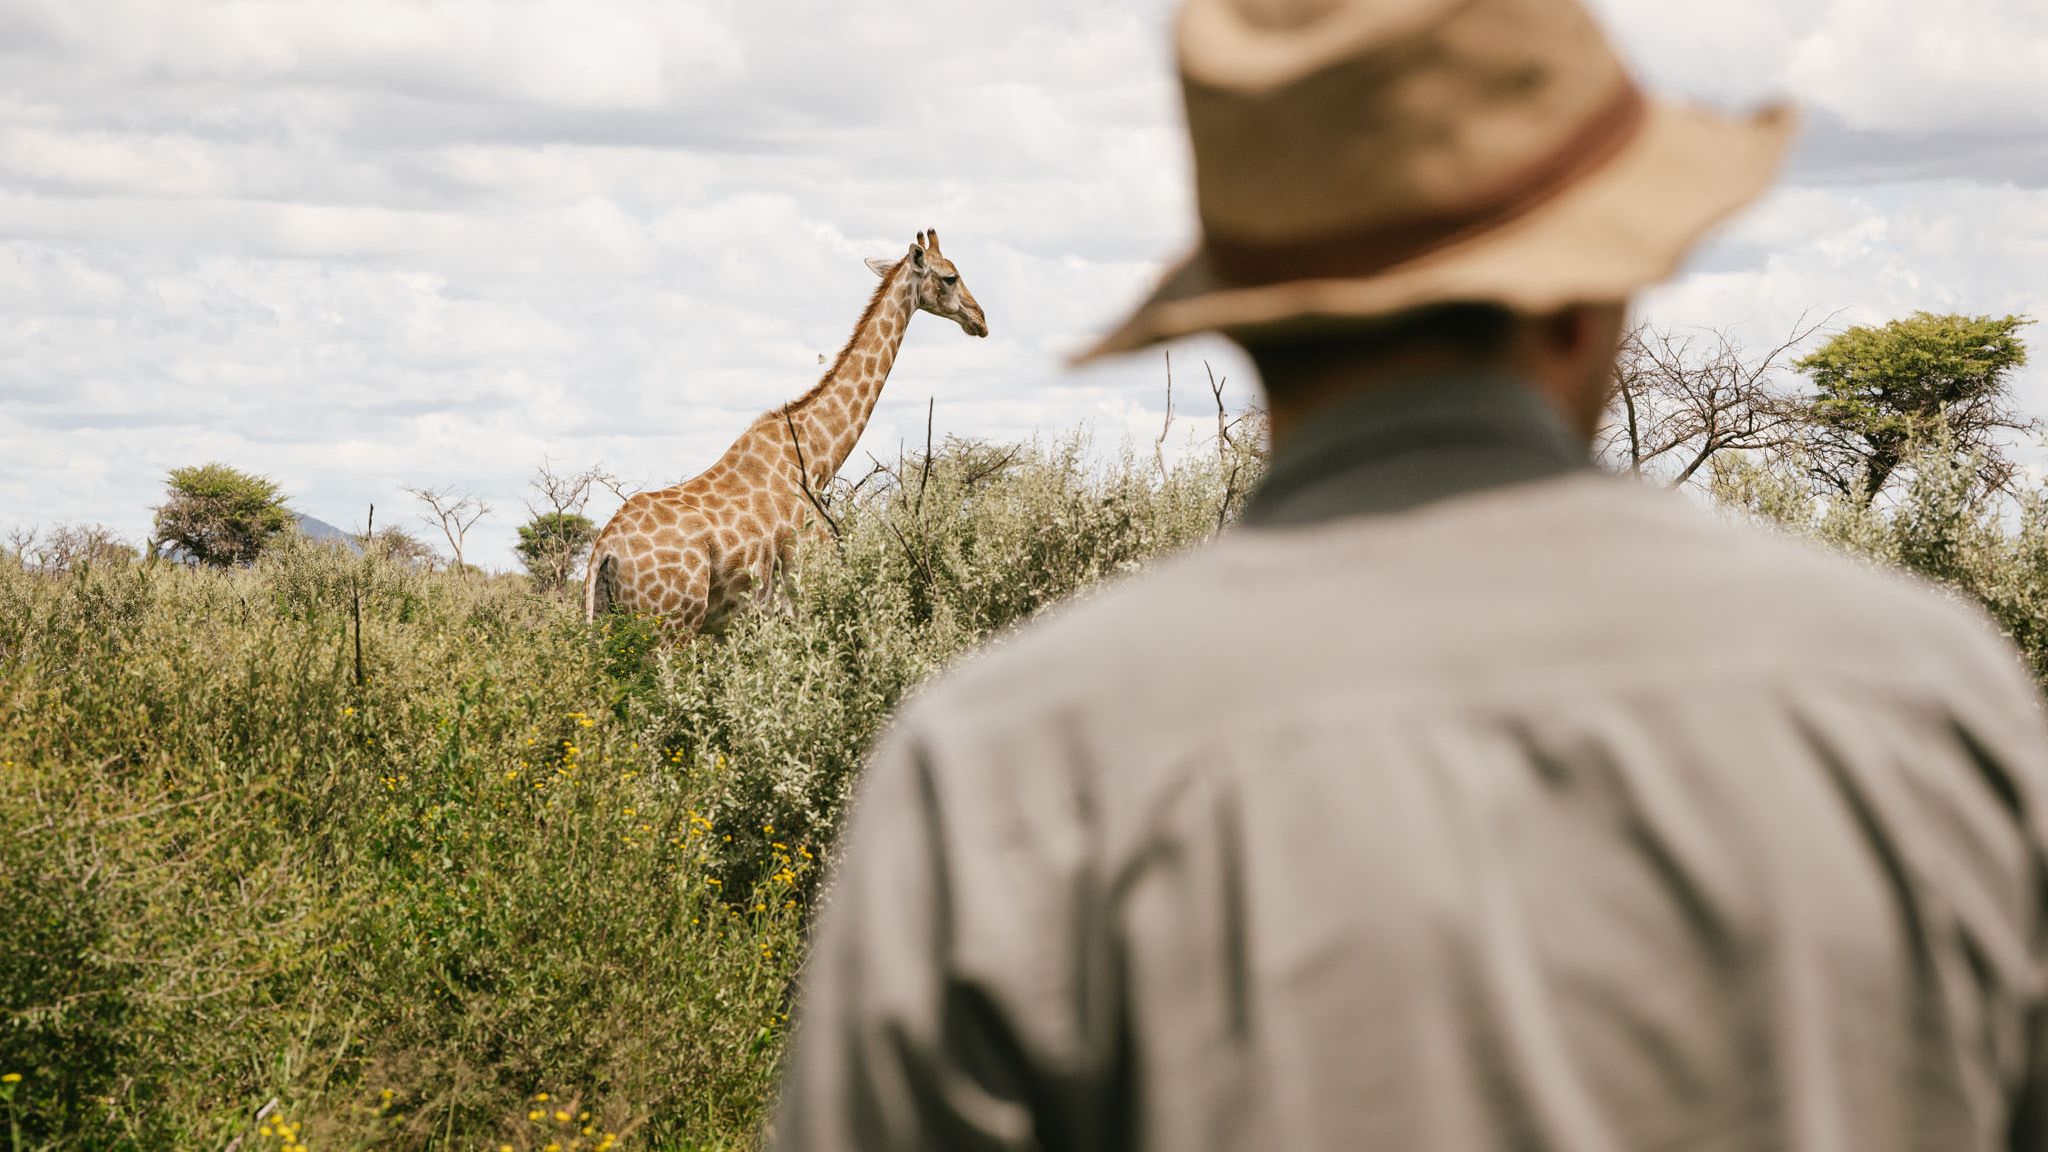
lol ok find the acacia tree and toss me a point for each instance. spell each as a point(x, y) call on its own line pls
point(1879, 391)
point(1681, 400)
point(221, 516)
point(553, 543)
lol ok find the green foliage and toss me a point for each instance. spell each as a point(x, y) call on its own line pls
point(925, 565)
point(526, 855)
point(552, 544)
point(221, 516)
point(399, 546)
point(1944, 525)
point(1878, 390)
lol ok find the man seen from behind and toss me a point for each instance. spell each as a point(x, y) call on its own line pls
point(1463, 798)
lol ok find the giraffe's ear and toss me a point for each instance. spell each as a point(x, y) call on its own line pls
point(917, 253)
point(881, 267)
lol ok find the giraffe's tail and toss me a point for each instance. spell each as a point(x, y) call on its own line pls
point(601, 590)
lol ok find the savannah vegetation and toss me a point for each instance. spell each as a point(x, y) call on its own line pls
point(346, 849)
point(412, 857)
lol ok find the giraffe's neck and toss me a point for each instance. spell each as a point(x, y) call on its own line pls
point(830, 418)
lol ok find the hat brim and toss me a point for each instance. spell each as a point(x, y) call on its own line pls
point(1624, 226)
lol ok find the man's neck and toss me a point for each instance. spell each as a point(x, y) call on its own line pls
point(1300, 387)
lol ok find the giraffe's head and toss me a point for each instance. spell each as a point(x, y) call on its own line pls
point(940, 291)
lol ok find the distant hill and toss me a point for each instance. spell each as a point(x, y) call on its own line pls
point(316, 529)
point(312, 528)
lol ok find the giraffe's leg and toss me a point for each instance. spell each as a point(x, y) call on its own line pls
point(601, 587)
point(694, 614)
point(778, 567)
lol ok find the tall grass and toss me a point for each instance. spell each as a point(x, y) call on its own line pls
point(512, 880)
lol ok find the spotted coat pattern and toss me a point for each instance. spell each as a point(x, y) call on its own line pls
point(693, 553)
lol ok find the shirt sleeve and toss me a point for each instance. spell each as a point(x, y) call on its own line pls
point(893, 1048)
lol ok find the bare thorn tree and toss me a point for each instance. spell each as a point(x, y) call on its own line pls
point(1159, 445)
point(568, 493)
point(454, 513)
point(68, 547)
point(1681, 400)
point(20, 542)
point(554, 540)
point(1223, 444)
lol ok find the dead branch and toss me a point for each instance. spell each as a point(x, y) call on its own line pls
point(1229, 494)
point(991, 467)
point(1223, 444)
point(1159, 445)
point(1684, 399)
point(356, 591)
point(803, 477)
point(925, 477)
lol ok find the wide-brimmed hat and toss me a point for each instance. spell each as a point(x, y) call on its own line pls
point(1358, 158)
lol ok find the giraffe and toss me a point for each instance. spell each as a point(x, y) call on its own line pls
point(692, 553)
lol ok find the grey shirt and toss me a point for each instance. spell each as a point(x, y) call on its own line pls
point(1462, 799)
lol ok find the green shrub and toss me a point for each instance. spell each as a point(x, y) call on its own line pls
point(511, 867)
point(514, 855)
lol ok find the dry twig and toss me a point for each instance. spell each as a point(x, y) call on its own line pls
point(803, 476)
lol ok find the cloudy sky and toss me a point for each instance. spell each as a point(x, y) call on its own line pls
point(365, 245)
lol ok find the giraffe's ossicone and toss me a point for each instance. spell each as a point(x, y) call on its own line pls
point(692, 553)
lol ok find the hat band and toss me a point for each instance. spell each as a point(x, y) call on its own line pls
point(1377, 247)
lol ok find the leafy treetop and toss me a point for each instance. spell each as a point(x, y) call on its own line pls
point(221, 516)
point(1878, 389)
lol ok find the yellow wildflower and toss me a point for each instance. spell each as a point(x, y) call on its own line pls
point(11, 1078)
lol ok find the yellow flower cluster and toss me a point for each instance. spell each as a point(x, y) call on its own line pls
point(284, 1131)
point(586, 1137)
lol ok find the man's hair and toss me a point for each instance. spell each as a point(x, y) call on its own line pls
point(1479, 331)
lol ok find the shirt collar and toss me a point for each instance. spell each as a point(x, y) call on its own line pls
point(1400, 445)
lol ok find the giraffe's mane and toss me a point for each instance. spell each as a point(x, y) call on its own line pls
point(866, 314)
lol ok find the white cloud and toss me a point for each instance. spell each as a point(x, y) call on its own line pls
point(364, 245)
